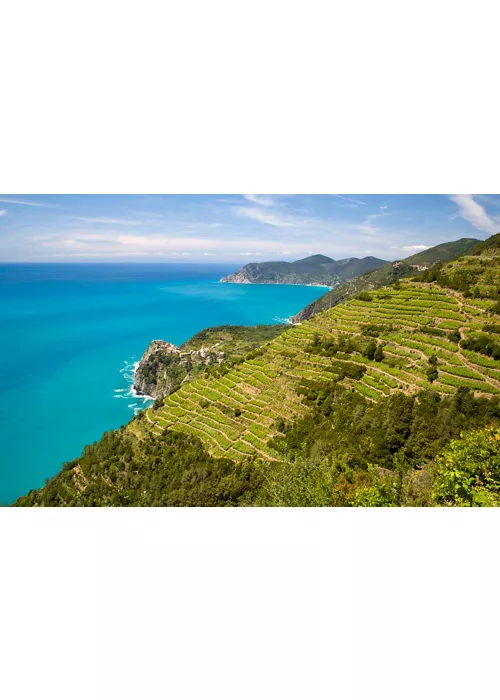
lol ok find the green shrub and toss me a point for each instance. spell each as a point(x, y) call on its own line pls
point(468, 473)
point(370, 350)
point(492, 328)
point(483, 344)
point(432, 374)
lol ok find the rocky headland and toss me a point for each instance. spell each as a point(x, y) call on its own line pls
point(164, 367)
point(317, 270)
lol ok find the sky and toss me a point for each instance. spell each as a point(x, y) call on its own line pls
point(236, 228)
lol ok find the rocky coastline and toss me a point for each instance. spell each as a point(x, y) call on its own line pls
point(164, 367)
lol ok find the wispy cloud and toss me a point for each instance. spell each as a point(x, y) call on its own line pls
point(474, 213)
point(264, 216)
point(26, 203)
point(277, 226)
point(107, 221)
point(409, 247)
point(263, 200)
point(348, 199)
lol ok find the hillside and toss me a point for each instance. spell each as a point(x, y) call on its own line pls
point(317, 269)
point(490, 244)
point(164, 367)
point(388, 274)
point(391, 398)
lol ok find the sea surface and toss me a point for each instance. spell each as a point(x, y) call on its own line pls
point(72, 333)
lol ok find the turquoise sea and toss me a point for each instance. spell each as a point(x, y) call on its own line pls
point(71, 334)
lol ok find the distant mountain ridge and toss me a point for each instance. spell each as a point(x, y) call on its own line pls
point(388, 274)
point(315, 270)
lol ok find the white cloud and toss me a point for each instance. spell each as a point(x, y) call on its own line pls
point(474, 213)
point(267, 217)
point(263, 200)
point(107, 221)
point(409, 247)
point(348, 199)
point(26, 203)
point(112, 244)
point(3, 212)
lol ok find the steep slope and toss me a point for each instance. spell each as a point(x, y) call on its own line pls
point(317, 269)
point(348, 408)
point(490, 244)
point(164, 367)
point(420, 332)
point(388, 274)
point(444, 252)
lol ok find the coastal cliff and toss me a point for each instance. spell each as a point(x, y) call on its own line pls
point(164, 367)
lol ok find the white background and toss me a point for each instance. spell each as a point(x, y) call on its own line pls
point(223, 97)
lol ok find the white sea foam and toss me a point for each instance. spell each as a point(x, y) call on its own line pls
point(128, 372)
point(283, 320)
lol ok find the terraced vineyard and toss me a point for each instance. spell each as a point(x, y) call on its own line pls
point(395, 339)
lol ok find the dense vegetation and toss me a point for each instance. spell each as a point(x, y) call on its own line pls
point(490, 245)
point(350, 452)
point(390, 399)
point(173, 470)
point(346, 452)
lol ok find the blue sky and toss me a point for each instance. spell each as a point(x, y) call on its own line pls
point(236, 228)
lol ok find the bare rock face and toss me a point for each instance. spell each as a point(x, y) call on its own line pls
point(164, 367)
point(241, 277)
point(159, 369)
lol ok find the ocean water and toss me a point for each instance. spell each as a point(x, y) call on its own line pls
point(71, 334)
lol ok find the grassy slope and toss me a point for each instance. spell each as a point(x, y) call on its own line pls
point(387, 274)
point(235, 341)
point(236, 414)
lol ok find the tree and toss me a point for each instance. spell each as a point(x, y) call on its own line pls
point(432, 374)
point(379, 354)
point(370, 350)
